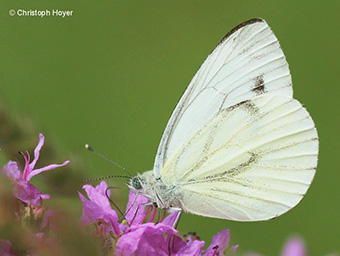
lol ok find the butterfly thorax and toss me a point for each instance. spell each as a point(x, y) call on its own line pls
point(164, 195)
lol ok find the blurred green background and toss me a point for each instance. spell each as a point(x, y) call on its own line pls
point(111, 75)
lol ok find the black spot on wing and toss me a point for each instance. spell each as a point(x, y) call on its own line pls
point(243, 24)
point(259, 86)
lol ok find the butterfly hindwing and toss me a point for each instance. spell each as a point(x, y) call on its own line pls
point(253, 161)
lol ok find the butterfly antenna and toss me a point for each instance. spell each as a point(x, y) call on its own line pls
point(88, 147)
point(106, 177)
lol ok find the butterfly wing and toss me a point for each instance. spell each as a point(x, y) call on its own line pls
point(253, 161)
point(247, 62)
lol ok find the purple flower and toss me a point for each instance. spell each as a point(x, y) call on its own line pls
point(135, 208)
point(192, 246)
point(149, 239)
point(155, 239)
point(98, 208)
point(220, 243)
point(170, 220)
point(135, 237)
point(25, 191)
point(145, 239)
point(6, 248)
point(294, 247)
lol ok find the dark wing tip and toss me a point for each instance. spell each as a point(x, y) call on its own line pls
point(243, 24)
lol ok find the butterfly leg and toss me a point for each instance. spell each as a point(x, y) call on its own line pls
point(136, 211)
point(174, 225)
point(178, 217)
point(111, 201)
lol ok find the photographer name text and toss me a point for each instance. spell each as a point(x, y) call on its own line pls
point(41, 13)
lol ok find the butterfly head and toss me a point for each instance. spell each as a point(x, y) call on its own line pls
point(145, 184)
point(163, 195)
point(136, 183)
point(140, 183)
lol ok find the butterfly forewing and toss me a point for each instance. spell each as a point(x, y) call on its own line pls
point(247, 62)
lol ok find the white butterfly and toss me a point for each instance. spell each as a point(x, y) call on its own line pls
point(237, 145)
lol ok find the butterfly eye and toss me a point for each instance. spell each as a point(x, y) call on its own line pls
point(136, 183)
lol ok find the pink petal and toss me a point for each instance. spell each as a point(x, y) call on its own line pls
point(45, 196)
point(98, 196)
point(128, 244)
point(27, 169)
point(47, 219)
point(221, 240)
point(28, 193)
point(234, 248)
point(37, 151)
point(193, 248)
point(178, 244)
point(112, 220)
point(46, 168)
point(170, 219)
point(294, 247)
point(6, 248)
point(91, 211)
point(145, 239)
point(12, 171)
point(134, 216)
point(98, 207)
point(102, 189)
